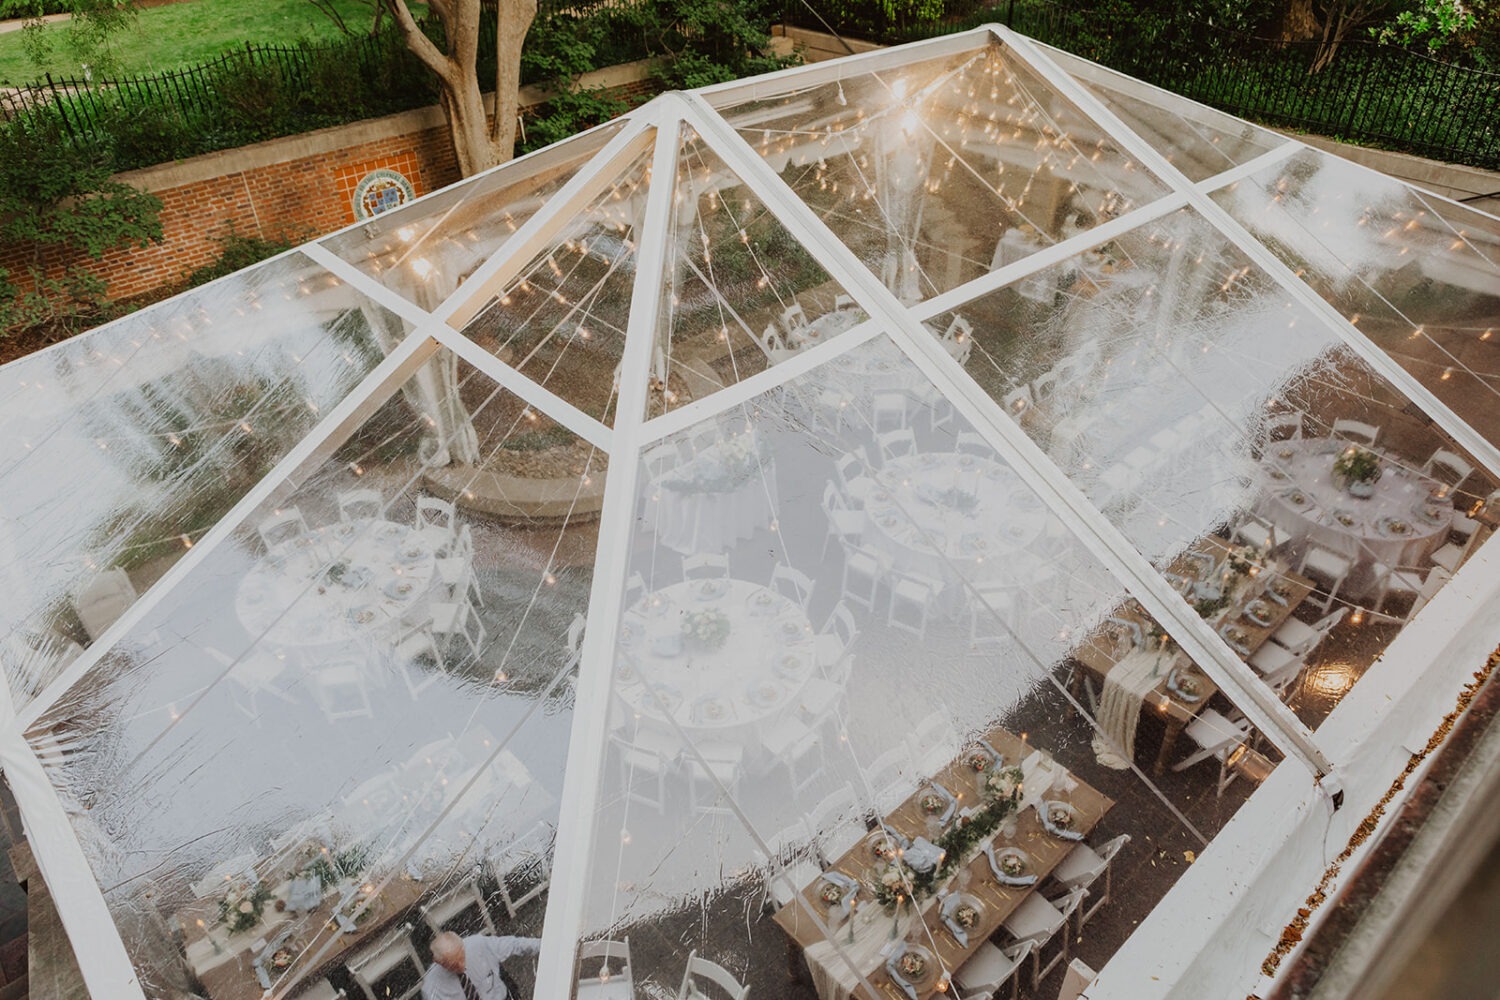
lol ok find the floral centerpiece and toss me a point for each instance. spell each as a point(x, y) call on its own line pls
point(723, 468)
point(957, 499)
point(895, 883)
point(1358, 469)
point(331, 867)
point(1245, 560)
point(242, 905)
point(1003, 783)
point(707, 629)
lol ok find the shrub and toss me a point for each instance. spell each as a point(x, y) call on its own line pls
point(238, 251)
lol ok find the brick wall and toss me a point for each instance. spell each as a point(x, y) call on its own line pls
point(296, 188)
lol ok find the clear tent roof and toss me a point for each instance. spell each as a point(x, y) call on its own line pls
point(956, 445)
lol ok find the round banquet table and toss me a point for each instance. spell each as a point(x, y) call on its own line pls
point(1400, 525)
point(945, 515)
point(824, 327)
point(699, 508)
point(291, 597)
point(727, 693)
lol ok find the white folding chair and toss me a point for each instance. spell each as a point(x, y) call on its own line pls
point(932, 742)
point(793, 317)
point(454, 902)
point(1077, 977)
point(990, 967)
point(1298, 637)
point(836, 823)
point(1254, 532)
point(796, 747)
point(437, 522)
point(844, 525)
point(1278, 667)
point(604, 981)
point(1354, 430)
point(456, 570)
point(771, 344)
point(339, 689)
point(1420, 585)
point(1447, 467)
point(994, 611)
point(888, 411)
point(1454, 554)
point(1083, 866)
point(700, 971)
point(522, 870)
point(661, 460)
point(355, 505)
point(713, 770)
point(1039, 921)
point(705, 566)
point(852, 469)
point(322, 989)
point(390, 969)
point(1215, 736)
point(458, 618)
point(573, 646)
point(897, 444)
point(1283, 427)
point(863, 573)
point(888, 778)
point(1328, 566)
point(844, 301)
point(103, 600)
point(651, 755)
point(912, 598)
point(281, 526)
point(833, 643)
point(792, 584)
point(1044, 385)
point(418, 658)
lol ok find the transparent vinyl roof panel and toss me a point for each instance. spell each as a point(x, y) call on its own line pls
point(1283, 487)
point(940, 170)
point(424, 250)
point(1419, 276)
point(125, 446)
point(1193, 137)
point(853, 632)
point(353, 714)
point(560, 317)
point(742, 293)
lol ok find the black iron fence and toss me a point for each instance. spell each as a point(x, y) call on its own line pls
point(1371, 94)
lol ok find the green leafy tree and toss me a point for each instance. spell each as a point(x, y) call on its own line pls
point(92, 26)
point(60, 196)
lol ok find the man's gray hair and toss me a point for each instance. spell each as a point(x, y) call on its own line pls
point(447, 943)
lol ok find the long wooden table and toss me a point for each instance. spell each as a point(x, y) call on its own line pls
point(1097, 652)
point(805, 917)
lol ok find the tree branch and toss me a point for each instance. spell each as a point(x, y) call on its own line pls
point(419, 43)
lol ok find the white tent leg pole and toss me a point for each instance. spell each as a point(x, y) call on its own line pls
point(106, 967)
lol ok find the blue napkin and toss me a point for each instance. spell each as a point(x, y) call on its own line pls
point(892, 970)
point(923, 855)
point(1056, 831)
point(1240, 648)
point(950, 905)
point(1000, 876)
point(848, 885)
point(1136, 635)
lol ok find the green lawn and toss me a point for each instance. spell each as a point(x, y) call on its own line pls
point(184, 33)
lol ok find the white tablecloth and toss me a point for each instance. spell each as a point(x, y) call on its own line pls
point(1308, 508)
point(946, 515)
point(756, 676)
point(295, 597)
point(703, 507)
point(824, 327)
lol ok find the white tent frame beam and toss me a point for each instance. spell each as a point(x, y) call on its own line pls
point(1102, 538)
point(562, 927)
point(1450, 422)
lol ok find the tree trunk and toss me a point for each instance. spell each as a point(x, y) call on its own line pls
point(1299, 22)
point(510, 32)
point(469, 127)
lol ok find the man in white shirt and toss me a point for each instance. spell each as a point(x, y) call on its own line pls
point(469, 968)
